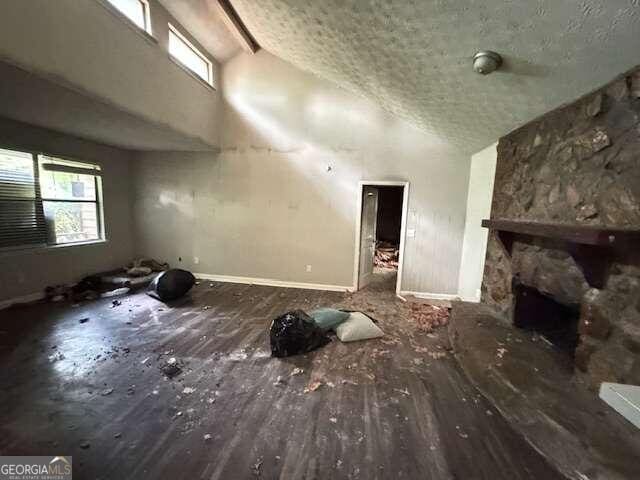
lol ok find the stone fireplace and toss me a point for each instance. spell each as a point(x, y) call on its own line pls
point(563, 258)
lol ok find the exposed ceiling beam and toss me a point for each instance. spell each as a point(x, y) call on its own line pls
point(237, 26)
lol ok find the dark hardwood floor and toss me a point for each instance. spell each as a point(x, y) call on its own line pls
point(397, 407)
point(535, 387)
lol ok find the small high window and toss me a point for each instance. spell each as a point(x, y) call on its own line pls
point(182, 50)
point(135, 10)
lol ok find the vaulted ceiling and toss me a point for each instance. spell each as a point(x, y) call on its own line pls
point(414, 57)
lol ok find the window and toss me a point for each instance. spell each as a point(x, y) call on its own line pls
point(135, 10)
point(70, 199)
point(48, 201)
point(189, 56)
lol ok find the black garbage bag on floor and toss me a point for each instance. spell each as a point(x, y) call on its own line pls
point(295, 332)
point(171, 284)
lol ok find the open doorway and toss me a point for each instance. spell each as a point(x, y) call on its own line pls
point(380, 235)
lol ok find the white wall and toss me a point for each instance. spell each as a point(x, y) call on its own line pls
point(84, 45)
point(28, 271)
point(474, 249)
point(267, 205)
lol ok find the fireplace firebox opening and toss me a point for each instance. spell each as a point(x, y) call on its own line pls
point(541, 313)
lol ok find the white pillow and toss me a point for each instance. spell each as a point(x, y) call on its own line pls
point(358, 327)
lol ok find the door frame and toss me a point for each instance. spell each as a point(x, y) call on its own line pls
point(403, 227)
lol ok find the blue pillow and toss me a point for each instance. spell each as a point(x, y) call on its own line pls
point(328, 318)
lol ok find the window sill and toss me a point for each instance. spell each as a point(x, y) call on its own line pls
point(188, 71)
point(37, 249)
point(77, 244)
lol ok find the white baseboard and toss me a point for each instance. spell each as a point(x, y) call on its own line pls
point(272, 283)
point(31, 297)
point(431, 296)
point(470, 299)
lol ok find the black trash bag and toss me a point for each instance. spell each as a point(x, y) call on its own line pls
point(171, 284)
point(294, 333)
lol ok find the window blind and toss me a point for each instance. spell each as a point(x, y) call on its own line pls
point(21, 214)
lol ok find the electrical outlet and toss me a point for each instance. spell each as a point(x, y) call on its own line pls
point(308, 268)
point(196, 260)
point(411, 232)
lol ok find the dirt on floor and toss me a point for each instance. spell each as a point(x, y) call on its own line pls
point(188, 389)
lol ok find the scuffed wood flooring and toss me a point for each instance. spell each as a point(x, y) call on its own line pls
point(397, 407)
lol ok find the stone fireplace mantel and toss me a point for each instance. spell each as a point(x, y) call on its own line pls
point(592, 247)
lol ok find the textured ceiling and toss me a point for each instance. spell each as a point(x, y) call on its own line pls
point(413, 57)
point(205, 23)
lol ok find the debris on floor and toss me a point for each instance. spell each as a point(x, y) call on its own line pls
point(107, 284)
point(56, 356)
point(171, 284)
point(328, 318)
point(375, 353)
point(138, 271)
point(312, 387)
point(147, 264)
point(115, 292)
point(294, 333)
point(437, 355)
point(257, 467)
point(189, 401)
point(88, 288)
point(348, 382)
point(171, 368)
point(83, 320)
point(57, 293)
point(141, 267)
point(358, 327)
point(461, 433)
point(428, 317)
point(386, 255)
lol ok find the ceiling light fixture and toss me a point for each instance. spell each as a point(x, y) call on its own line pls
point(486, 61)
